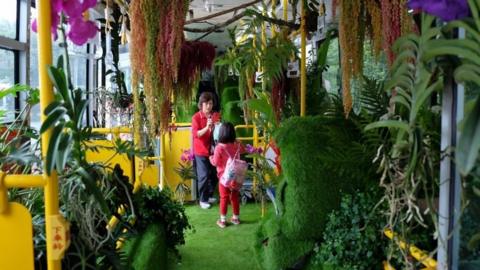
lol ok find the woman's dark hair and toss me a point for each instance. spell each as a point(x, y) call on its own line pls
point(227, 133)
point(204, 98)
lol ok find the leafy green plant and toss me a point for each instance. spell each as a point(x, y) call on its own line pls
point(468, 70)
point(353, 234)
point(265, 175)
point(155, 206)
point(409, 157)
point(186, 173)
point(68, 140)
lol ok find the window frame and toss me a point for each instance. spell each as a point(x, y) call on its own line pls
point(20, 48)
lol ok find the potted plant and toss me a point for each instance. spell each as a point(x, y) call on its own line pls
point(186, 173)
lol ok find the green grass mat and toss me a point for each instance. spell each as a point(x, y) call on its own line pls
point(210, 248)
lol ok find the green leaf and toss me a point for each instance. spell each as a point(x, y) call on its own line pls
point(469, 143)
point(467, 73)
point(261, 106)
point(13, 90)
point(53, 118)
point(422, 95)
point(463, 48)
point(92, 188)
point(474, 242)
point(60, 61)
point(401, 100)
point(64, 149)
point(53, 107)
point(81, 107)
point(59, 80)
point(52, 148)
point(33, 96)
point(391, 124)
point(469, 28)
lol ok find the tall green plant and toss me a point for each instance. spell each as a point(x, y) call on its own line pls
point(410, 156)
point(468, 52)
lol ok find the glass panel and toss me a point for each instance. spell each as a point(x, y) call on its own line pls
point(7, 79)
point(78, 67)
point(8, 19)
point(470, 219)
point(331, 75)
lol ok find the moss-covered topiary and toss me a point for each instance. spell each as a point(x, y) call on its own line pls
point(148, 250)
point(319, 157)
point(231, 112)
point(229, 103)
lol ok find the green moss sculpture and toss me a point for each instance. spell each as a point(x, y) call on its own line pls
point(318, 156)
point(148, 250)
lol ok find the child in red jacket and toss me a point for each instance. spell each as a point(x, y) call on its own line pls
point(227, 147)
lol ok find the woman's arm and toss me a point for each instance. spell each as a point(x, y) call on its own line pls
point(198, 131)
point(202, 132)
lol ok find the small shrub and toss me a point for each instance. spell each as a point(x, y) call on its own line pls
point(353, 234)
point(154, 206)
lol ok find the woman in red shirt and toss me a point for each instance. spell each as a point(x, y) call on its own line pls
point(202, 129)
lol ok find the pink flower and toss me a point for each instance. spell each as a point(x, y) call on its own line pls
point(55, 17)
point(81, 31)
point(253, 150)
point(187, 156)
point(75, 8)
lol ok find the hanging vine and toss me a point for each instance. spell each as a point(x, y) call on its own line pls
point(374, 26)
point(384, 21)
point(351, 38)
point(156, 42)
point(196, 57)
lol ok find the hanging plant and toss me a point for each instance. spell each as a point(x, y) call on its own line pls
point(157, 36)
point(374, 25)
point(395, 22)
point(351, 38)
point(384, 21)
point(196, 57)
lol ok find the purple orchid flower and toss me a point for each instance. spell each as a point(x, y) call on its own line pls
point(80, 30)
point(55, 17)
point(75, 8)
point(447, 10)
point(187, 156)
point(253, 150)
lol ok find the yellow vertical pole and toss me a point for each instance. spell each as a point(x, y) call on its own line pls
point(274, 15)
point(162, 161)
point(46, 97)
point(264, 48)
point(285, 10)
point(303, 70)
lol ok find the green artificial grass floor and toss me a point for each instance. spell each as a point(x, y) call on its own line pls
point(211, 248)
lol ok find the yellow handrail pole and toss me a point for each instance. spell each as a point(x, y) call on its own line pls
point(3, 194)
point(303, 71)
point(285, 10)
point(416, 253)
point(162, 161)
point(46, 97)
point(24, 181)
